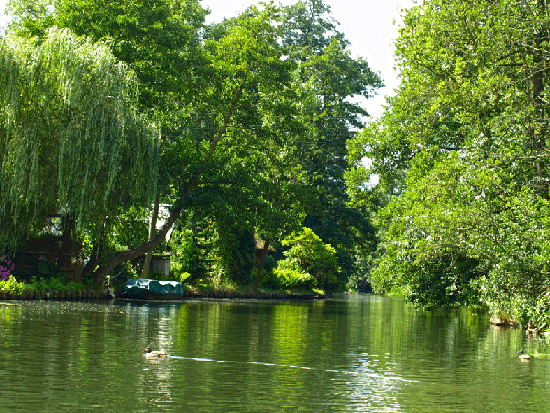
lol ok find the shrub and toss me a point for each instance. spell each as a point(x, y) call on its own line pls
point(11, 285)
point(309, 262)
point(6, 268)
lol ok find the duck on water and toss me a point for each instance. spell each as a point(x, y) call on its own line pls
point(150, 354)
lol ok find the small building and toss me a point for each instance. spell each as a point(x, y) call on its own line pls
point(161, 264)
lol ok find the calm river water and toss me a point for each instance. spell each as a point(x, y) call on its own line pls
point(358, 353)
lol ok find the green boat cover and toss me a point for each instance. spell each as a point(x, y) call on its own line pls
point(140, 286)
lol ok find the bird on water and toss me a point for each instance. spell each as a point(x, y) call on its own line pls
point(154, 354)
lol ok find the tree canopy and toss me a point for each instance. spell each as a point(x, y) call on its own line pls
point(158, 39)
point(254, 114)
point(71, 139)
point(462, 154)
point(331, 82)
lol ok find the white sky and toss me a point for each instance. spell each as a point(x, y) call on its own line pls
point(367, 24)
point(3, 18)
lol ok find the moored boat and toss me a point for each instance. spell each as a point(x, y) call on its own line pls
point(145, 289)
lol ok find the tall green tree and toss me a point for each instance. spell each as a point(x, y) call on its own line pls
point(463, 145)
point(72, 142)
point(246, 99)
point(232, 94)
point(232, 110)
point(263, 187)
point(159, 39)
point(238, 117)
point(332, 81)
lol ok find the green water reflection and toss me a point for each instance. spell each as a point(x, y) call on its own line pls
point(356, 353)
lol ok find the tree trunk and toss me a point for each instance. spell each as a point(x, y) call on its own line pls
point(152, 228)
point(65, 252)
point(94, 259)
point(97, 251)
point(101, 272)
point(261, 266)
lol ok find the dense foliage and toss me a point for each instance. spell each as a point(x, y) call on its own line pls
point(331, 80)
point(253, 113)
point(248, 130)
point(158, 39)
point(308, 263)
point(72, 142)
point(462, 157)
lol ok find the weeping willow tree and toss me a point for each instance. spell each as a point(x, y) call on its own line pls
point(71, 140)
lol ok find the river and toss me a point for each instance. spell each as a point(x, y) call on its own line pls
point(356, 353)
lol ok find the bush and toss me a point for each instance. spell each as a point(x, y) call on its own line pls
point(309, 263)
point(11, 285)
point(291, 275)
point(6, 268)
point(58, 282)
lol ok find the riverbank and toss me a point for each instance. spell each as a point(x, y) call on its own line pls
point(58, 288)
point(87, 294)
point(27, 294)
point(250, 294)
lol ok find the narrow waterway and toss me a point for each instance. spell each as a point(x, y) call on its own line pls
point(356, 353)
